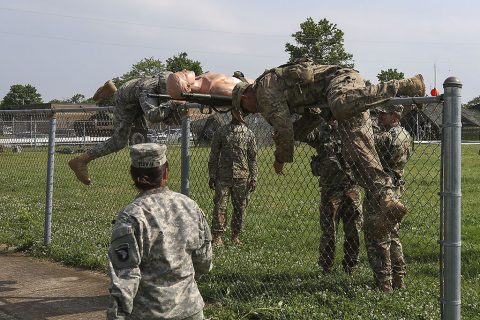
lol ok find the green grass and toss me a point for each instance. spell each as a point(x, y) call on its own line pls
point(274, 275)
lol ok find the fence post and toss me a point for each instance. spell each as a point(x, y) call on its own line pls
point(185, 187)
point(49, 184)
point(451, 243)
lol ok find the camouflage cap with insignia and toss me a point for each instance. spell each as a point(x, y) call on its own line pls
point(398, 108)
point(148, 155)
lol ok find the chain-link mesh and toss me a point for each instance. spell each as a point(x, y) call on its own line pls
point(283, 231)
point(276, 273)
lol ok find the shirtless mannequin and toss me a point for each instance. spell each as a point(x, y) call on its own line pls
point(207, 83)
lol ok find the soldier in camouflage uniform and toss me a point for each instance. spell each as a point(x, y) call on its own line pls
point(232, 170)
point(160, 244)
point(132, 105)
point(385, 254)
point(340, 198)
point(280, 92)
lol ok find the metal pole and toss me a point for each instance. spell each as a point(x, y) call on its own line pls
point(185, 187)
point(49, 187)
point(442, 207)
point(35, 136)
point(418, 132)
point(84, 134)
point(31, 130)
point(451, 299)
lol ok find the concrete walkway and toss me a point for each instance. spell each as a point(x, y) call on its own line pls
point(34, 289)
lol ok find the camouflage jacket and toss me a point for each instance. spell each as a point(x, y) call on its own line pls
point(328, 163)
point(394, 147)
point(160, 243)
point(282, 92)
point(135, 91)
point(233, 153)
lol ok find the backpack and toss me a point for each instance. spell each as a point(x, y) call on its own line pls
point(306, 82)
point(297, 73)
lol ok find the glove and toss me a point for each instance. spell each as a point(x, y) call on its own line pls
point(252, 185)
point(211, 183)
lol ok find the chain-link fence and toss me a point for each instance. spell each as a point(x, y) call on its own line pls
point(277, 273)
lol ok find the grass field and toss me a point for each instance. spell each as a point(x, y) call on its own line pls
point(274, 275)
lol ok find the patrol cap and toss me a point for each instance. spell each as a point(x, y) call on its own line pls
point(105, 91)
point(237, 93)
point(148, 155)
point(398, 108)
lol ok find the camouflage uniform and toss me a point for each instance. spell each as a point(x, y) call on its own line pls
point(160, 244)
point(232, 165)
point(346, 95)
point(133, 106)
point(385, 253)
point(340, 198)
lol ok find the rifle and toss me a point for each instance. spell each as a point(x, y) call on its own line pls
point(210, 100)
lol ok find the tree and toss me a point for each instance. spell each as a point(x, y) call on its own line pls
point(21, 94)
point(77, 98)
point(474, 102)
point(322, 42)
point(390, 74)
point(144, 68)
point(180, 62)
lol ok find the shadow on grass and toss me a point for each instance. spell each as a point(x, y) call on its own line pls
point(248, 288)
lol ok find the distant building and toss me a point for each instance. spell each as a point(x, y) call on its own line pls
point(425, 123)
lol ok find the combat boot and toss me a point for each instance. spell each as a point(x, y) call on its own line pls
point(325, 268)
point(384, 286)
point(398, 283)
point(236, 240)
point(393, 212)
point(79, 165)
point(411, 87)
point(217, 241)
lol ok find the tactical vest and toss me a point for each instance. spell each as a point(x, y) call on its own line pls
point(305, 81)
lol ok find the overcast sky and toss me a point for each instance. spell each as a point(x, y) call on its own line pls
point(64, 47)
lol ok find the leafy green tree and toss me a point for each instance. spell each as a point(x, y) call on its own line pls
point(180, 62)
point(474, 102)
point(77, 98)
point(20, 94)
point(56, 101)
point(390, 74)
point(144, 68)
point(322, 42)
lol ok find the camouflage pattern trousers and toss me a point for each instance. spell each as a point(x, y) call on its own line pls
point(238, 190)
point(340, 203)
point(385, 254)
point(347, 96)
point(359, 152)
point(124, 116)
